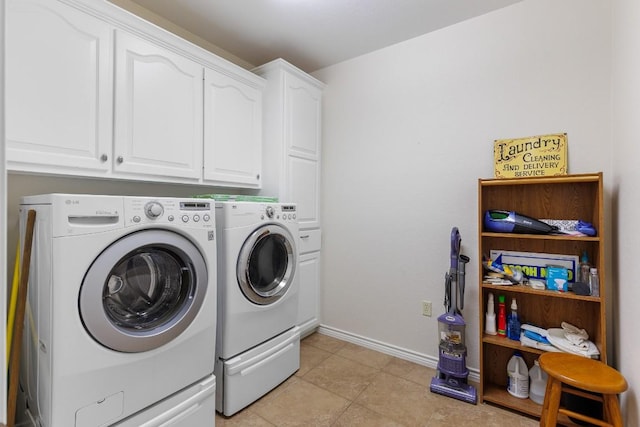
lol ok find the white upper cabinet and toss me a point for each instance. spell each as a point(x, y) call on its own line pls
point(302, 135)
point(158, 110)
point(95, 91)
point(303, 110)
point(232, 130)
point(58, 88)
point(292, 128)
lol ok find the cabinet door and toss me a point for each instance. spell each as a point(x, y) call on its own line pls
point(232, 132)
point(158, 110)
point(303, 188)
point(309, 298)
point(303, 110)
point(58, 88)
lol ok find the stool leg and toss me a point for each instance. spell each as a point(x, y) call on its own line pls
point(545, 403)
point(612, 410)
point(551, 403)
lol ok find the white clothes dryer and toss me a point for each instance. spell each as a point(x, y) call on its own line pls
point(122, 297)
point(258, 342)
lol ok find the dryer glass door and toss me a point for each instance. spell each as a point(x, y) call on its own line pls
point(143, 290)
point(267, 264)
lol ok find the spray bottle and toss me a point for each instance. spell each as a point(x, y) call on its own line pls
point(502, 317)
point(490, 320)
point(513, 324)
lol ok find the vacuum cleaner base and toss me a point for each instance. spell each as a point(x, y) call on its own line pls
point(455, 389)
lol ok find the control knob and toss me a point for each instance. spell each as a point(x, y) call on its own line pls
point(270, 211)
point(153, 210)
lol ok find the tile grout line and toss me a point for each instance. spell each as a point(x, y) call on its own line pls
point(379, 371)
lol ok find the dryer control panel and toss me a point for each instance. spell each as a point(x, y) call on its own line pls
point(168, 210)
point(277, 211)
point(239, 214)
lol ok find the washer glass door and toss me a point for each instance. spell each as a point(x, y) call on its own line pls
point(267, 264)
point(143, 290)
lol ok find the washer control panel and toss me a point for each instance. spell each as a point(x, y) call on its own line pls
point(168, 210)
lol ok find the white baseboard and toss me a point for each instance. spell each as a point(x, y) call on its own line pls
point(308, 327)
point(392, 350)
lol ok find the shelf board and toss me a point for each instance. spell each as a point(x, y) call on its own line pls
point(498, 395)
point(541, 292)
point(561, 237)
point(563, 179)
point(506, 342)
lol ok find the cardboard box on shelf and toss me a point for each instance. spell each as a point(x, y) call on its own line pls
point(534, 264)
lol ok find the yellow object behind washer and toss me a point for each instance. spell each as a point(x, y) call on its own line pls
point(12, 303)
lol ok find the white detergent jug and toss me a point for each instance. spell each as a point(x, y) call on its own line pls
point(538, 383)
point(517, 376)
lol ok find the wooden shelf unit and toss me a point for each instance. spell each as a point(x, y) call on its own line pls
point(576, 197)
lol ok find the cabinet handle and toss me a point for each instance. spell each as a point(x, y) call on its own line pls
point(258, 177)
point(120, 159)
point(306, 236)
point(104, 158)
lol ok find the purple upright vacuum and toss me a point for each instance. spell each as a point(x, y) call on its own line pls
point(451, 376)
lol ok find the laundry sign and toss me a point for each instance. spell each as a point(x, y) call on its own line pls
point(543, 155)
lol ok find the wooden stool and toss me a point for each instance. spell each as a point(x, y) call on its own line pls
point(585, 375)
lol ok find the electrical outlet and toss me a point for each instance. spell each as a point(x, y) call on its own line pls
point(426, 308)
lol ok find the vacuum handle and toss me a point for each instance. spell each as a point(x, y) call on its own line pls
point(455, 249)
point(461, 277)
point(447, 292)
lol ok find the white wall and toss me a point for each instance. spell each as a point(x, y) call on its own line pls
point(626, 204)
point(409, 129)
point(161, 22)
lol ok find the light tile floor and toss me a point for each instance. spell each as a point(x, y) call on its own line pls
point(342, 384)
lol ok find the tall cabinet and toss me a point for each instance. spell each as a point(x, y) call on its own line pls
point(572, 197)
point(291, 165)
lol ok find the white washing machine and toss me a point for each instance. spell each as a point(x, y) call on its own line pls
point(258, 342)
point(122, 305)
point(194, 406)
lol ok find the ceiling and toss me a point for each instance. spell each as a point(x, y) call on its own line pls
point(313, 34)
